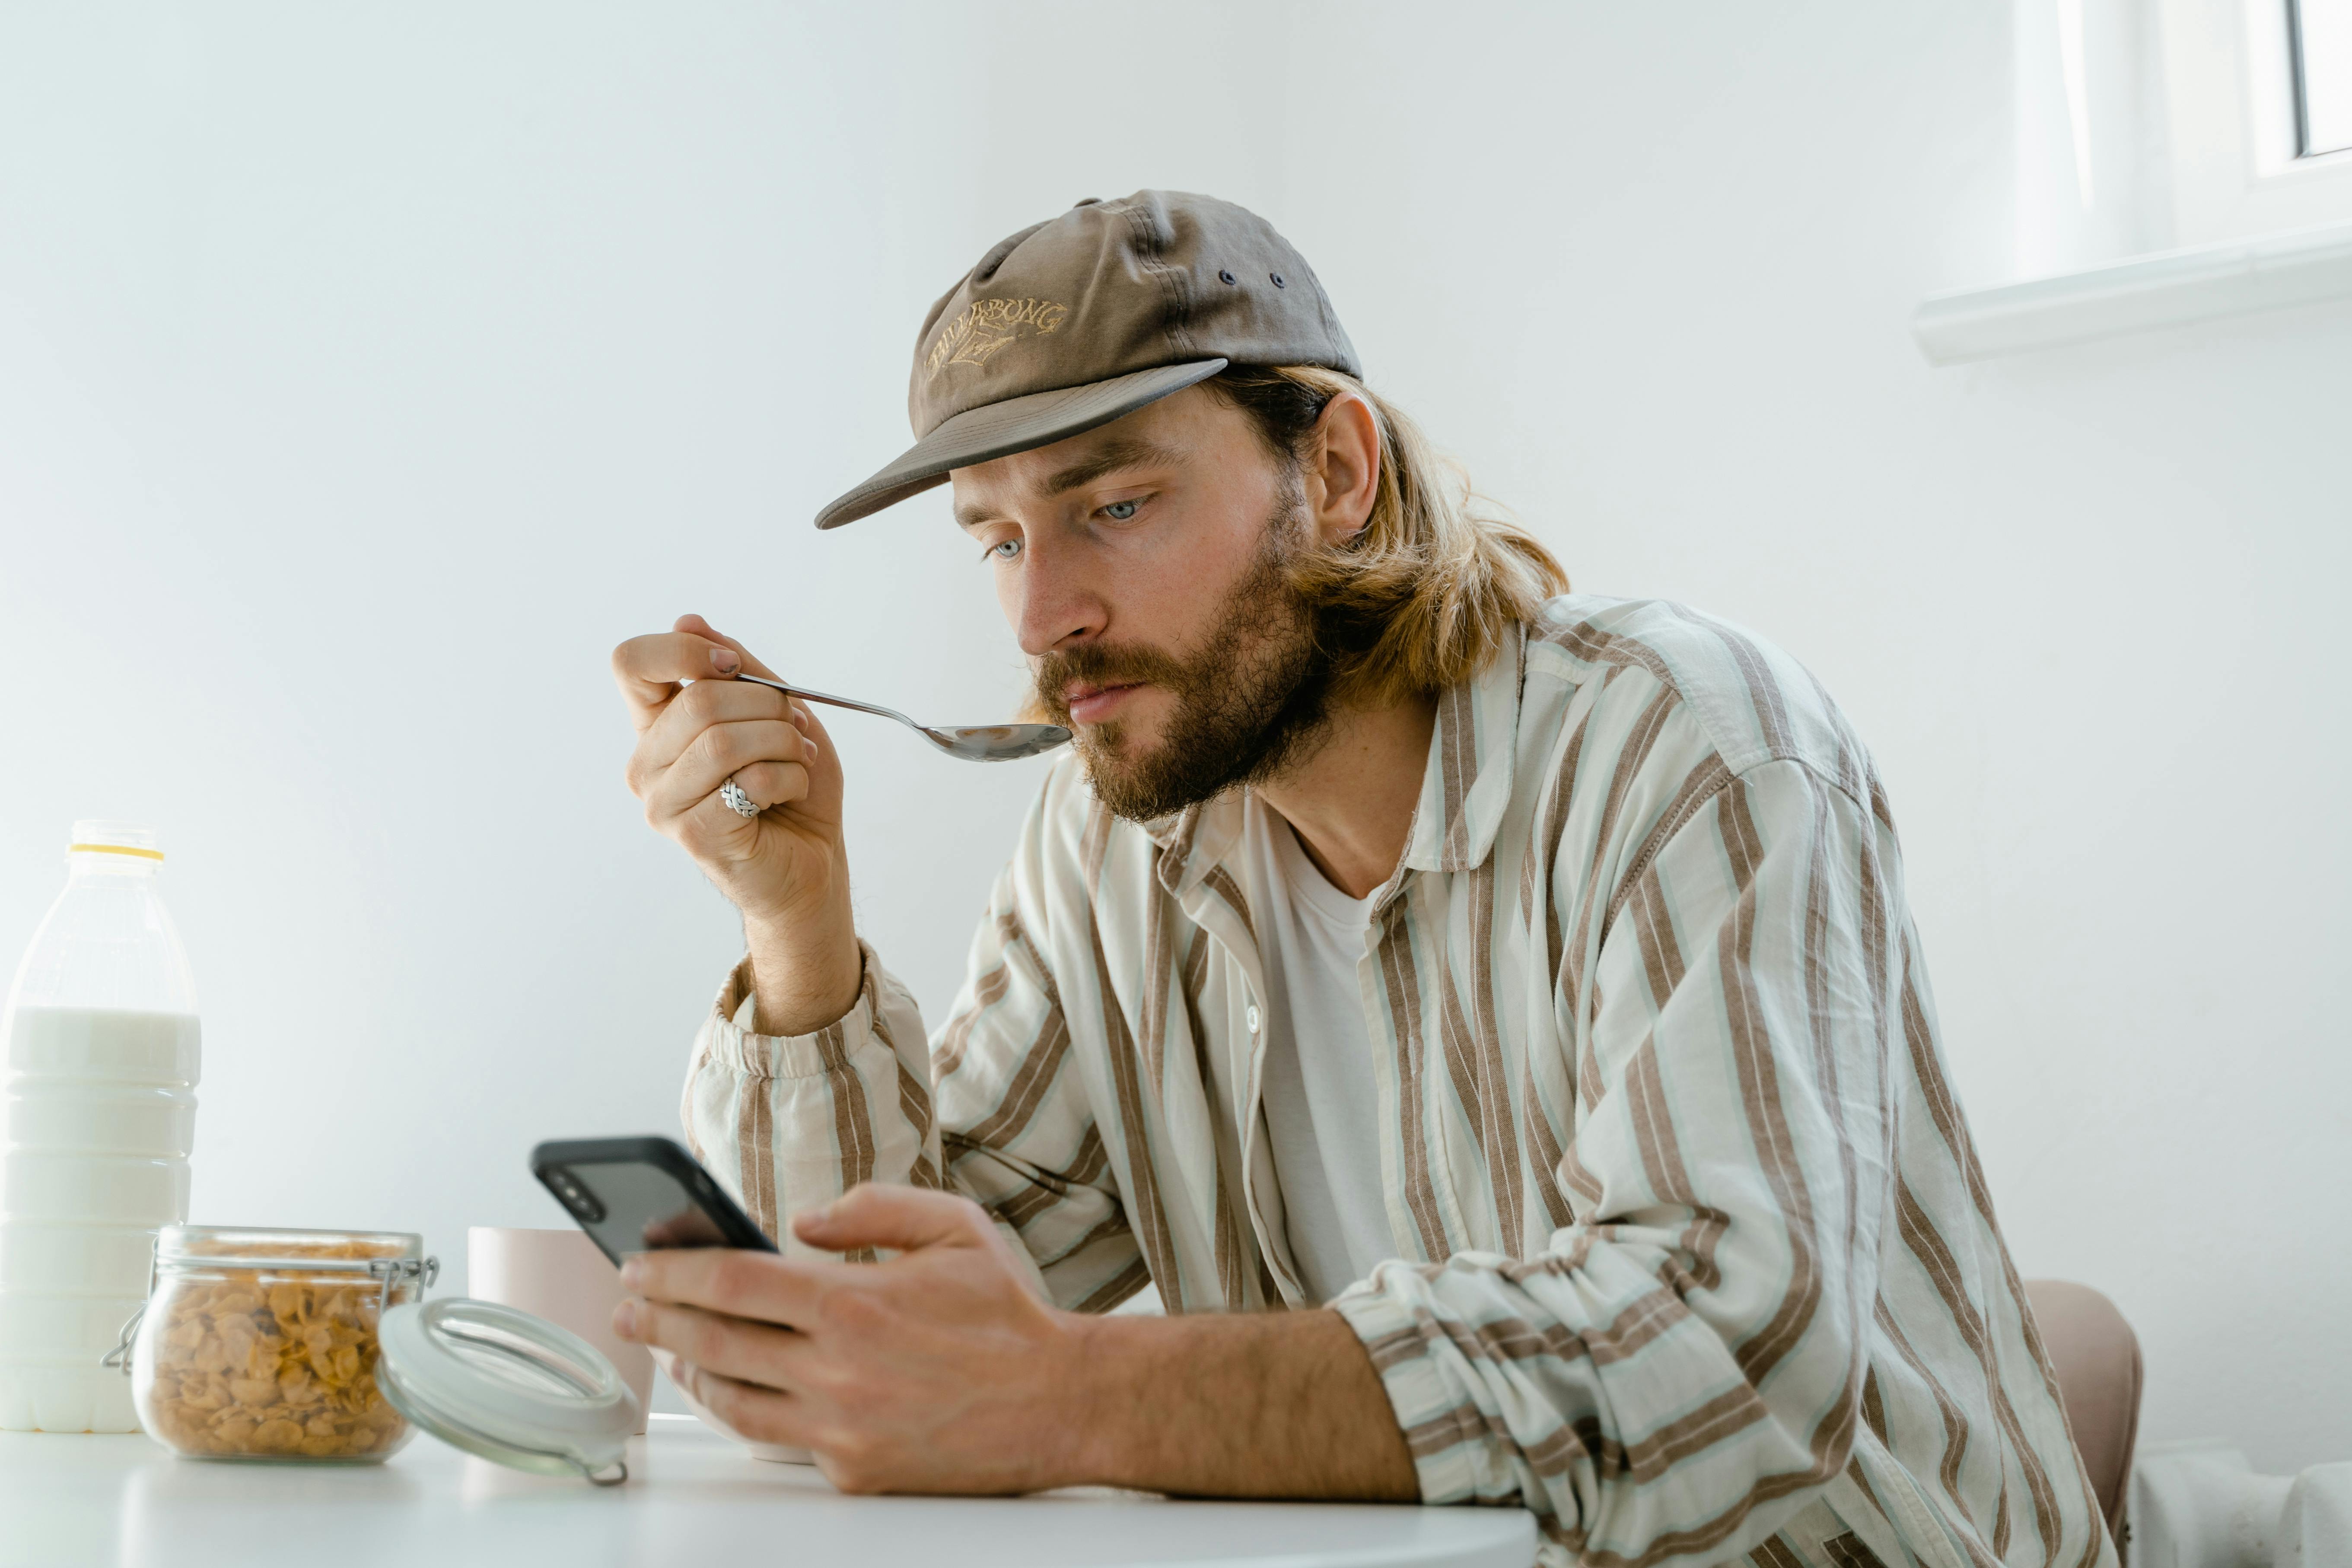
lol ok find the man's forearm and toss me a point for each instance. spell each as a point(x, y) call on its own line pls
point(1271, 1404)
point(806, 966)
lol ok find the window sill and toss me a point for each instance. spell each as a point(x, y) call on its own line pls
point(2159, 290)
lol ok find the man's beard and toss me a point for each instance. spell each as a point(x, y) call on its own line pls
point(1252, 702)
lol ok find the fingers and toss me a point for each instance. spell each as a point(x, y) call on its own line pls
point(760, 1285)
point(648, 669)
point(885, 1214)
point(773, 783)
point(748, 1412)
point(732, 1347)
point(716, 834)
point(701, 705)
point(694, 626)
point(774, 753)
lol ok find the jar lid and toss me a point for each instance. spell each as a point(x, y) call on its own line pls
point(382, 1254)
point(506, 1386)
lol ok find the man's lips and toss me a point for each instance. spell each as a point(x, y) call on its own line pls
point(1093, 704)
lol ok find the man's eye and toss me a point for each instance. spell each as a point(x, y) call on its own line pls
point(1002, 550)
point(1120, 511)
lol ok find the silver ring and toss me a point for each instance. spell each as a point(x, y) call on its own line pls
point(739, 803)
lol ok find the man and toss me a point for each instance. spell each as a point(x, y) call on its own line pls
point(1490, 1019)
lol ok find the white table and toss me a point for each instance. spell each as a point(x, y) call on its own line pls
point(692, 1498)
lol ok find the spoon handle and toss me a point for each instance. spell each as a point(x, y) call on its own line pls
point(806, 695)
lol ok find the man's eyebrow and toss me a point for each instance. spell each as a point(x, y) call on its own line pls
point(1108, 458)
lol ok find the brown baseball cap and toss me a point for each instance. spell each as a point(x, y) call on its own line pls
point(1083, 319)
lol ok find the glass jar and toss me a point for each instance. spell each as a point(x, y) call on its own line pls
point(262, 1344)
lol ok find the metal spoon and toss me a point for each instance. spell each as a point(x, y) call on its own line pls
point(973, 743)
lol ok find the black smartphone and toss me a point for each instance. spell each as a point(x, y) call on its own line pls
point(640, 1194)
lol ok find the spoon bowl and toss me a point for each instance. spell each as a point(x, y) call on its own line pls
point(992, 742)
point(970, 742)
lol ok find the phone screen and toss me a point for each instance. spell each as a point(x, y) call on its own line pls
point(634, 1207)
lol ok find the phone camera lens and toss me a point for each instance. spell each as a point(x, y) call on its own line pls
point(573, 1195)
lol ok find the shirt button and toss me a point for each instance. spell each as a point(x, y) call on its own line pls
point(1252, 1016)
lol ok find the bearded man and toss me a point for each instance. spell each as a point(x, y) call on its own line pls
point(1489, 1016)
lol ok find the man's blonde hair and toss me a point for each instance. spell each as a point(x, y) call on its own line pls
point(1424, 595)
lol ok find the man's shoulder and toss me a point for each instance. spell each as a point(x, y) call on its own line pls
point(1751, 699)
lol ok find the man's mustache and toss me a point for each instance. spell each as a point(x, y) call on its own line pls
point(1103, 664)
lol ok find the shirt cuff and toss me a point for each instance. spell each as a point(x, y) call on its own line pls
point(736, 1042)
point(1435, 1409)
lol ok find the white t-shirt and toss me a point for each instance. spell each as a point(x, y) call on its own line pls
point(1321, 1098)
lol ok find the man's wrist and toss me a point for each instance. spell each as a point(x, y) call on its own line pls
point(1103, 1394)
point(807, 968)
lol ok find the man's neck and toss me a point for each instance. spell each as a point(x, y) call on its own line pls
point(1351, 802)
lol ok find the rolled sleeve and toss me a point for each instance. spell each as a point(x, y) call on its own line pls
point(787, 1122)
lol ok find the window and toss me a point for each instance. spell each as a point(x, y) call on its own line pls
point(2321, 32)
point(2177, 160)
point(2258, 98)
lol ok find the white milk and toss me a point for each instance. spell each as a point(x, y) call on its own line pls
point(97, 1117)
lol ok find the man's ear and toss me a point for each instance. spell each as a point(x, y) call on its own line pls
point(1343, 468)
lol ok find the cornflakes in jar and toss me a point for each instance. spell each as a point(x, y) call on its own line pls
point(261, 1344)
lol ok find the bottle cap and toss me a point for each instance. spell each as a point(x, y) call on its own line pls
point(97, 836)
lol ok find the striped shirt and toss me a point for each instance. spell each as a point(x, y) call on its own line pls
point(1693, 1258)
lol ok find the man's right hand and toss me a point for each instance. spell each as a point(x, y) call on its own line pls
point(786, 868)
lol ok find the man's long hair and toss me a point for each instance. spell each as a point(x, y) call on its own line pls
point(1424, 595)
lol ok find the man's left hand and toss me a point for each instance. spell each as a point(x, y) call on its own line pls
point(934, 1370)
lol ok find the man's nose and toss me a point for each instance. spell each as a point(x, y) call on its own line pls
point(1058, 606)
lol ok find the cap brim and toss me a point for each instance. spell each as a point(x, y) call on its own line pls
point(1016, 424)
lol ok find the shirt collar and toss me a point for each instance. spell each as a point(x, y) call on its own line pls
point(1465, 785)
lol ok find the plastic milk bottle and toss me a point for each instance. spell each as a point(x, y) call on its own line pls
point(98, 1110)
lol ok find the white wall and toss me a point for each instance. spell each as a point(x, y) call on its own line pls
point(365, 377)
